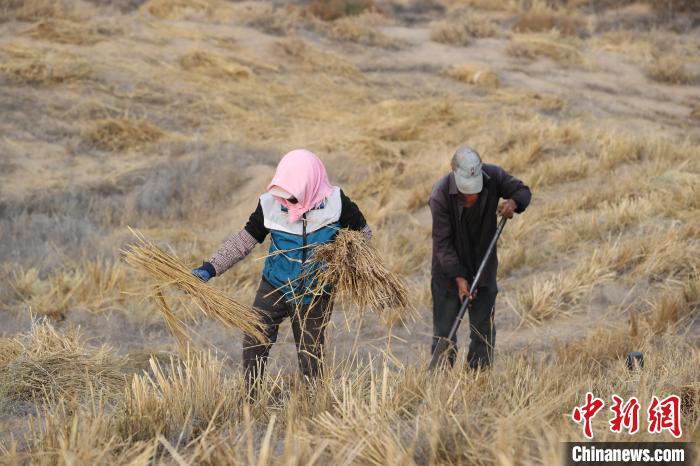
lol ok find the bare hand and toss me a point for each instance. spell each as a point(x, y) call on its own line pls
point(507, 208)
point(462, 288)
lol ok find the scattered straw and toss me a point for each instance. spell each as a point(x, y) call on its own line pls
point(478, 75)
point(553, 46)
point(116, 134)
point(69, 32)
point(174, 324)
point(37, 9)
point(174, 9)
point(363, 30)
point(169, 271)
point(9, 350)
point(567, 23)
point(352, 268)
point(213, 65)
point(45, 362)
point(462, 29)
point(695, 112)
point(330, 10)
point(299, 52)
point(39, 66)
point(671, 70)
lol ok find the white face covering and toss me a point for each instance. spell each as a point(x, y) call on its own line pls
point(280, 193)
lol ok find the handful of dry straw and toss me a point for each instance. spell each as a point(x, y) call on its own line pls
point(352, 268)
point(46, 362)
point(169, 271)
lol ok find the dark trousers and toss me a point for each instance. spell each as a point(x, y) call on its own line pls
point(482, 331)
point(308, 325)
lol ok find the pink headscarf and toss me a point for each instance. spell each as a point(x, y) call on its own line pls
point(302, 174)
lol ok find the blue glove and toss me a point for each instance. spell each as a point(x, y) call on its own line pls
point(202, 274)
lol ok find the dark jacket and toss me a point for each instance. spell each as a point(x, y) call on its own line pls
point(450, 241)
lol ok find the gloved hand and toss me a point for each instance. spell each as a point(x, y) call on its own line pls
point(202, 274)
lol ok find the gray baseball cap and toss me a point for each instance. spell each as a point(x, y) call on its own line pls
point(466, 165)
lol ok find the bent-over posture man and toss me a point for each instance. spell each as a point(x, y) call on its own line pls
point(464, 205)
point(300, 210)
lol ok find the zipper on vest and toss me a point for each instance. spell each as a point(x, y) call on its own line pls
point(303, 253)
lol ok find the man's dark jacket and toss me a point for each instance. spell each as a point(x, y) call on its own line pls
point(451, 241)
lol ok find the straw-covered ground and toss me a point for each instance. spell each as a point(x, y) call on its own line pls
point(170, 115)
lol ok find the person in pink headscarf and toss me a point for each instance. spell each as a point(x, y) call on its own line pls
point(300, 210)
point(300, 183)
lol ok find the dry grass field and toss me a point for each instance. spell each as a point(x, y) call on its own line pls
point(169, 116)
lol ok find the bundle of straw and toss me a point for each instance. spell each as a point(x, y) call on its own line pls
point(169, 271)
point(46, 362)
point(352, 268)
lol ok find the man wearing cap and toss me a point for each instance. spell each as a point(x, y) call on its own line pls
point(464, 205)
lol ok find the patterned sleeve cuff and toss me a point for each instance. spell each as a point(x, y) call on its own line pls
point(367, 232)
point(234, 249)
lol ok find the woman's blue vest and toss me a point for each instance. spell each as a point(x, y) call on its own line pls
point(293, 244)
